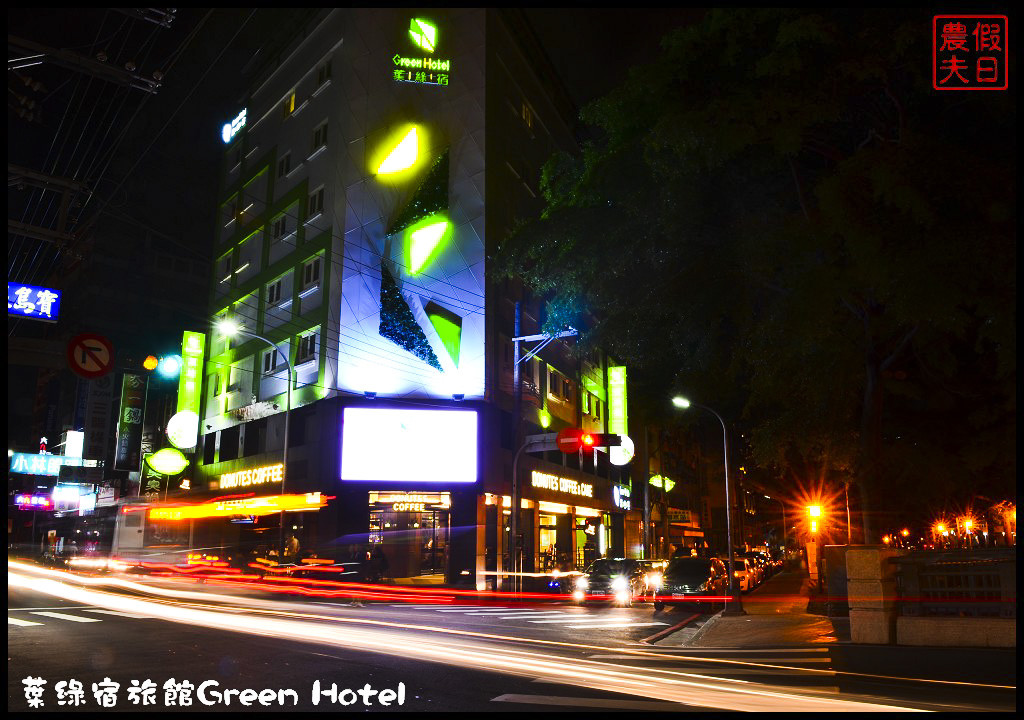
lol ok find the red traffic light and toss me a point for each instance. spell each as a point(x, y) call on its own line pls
point(571, 440)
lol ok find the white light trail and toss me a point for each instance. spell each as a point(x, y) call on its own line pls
point(466, 650)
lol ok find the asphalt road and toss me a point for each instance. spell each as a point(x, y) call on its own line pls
point(467, 658)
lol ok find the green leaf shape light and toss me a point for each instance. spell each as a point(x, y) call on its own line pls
point(168, 461)
point(423, 33)
point(403, 156)
point(449, 328)
point(423, 240)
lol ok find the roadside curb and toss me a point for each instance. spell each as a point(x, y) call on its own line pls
point(690, 641)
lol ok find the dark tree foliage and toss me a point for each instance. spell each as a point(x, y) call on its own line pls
point(782, 217)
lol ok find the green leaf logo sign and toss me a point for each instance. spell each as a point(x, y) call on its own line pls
point(423, 34)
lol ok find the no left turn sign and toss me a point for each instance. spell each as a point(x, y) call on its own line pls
point(90, 356)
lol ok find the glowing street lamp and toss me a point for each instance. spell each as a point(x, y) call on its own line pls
point(230, 328)
point(683, 403)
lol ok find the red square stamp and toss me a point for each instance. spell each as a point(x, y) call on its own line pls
point(969, 52)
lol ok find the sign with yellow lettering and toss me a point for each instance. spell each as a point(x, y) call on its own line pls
point(255, 476)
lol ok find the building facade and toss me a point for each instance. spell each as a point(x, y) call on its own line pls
point(368, 174)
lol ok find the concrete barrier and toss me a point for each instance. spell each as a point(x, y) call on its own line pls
point(871, 587)
point(955, 631)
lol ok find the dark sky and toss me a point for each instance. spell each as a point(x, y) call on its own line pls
point(131, 143)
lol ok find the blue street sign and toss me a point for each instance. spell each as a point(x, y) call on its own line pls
point(34, 302)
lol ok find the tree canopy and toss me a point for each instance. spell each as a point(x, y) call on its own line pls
point(781, 216)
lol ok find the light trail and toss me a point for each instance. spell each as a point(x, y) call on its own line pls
point(672, 686)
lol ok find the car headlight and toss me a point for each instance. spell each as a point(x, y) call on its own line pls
point(582, 583)
point(619, 584)
point(655, 580)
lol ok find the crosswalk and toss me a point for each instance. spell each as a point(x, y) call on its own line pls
point(27, 617)
point(805, 668)
point(572, 618)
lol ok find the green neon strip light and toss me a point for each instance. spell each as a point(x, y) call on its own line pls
point(449, 329)
point(403, 156)
point(423, 33)
point(423, 240)
point(617, 420)
point(193, 345)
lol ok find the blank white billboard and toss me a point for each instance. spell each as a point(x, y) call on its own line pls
point(398, 445)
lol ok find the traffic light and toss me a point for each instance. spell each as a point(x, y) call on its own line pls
point(572, 440)
point(167, 366)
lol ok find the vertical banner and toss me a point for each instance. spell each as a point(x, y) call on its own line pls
point(128, 452)
point(97, 416)
point(617, 420)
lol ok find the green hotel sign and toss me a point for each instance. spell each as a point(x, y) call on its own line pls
point(424, 70)
point(617, 420)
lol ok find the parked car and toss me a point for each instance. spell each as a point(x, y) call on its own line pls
point(618, 580)
point(690, 580)
point(761, 565)
point(744, 572)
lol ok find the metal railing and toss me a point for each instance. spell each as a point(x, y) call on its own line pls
point(965, 583)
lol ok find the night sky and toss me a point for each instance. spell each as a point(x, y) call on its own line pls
point(163, 171)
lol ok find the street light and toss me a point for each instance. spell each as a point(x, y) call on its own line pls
point(683, 403)
point(230, 328)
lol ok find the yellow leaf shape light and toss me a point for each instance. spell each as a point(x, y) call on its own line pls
point(403, 156)
point(424, 239)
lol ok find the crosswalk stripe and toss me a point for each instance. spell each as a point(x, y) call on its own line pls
point(72, 618)
point(517, 612)
point(117, 613)
point(20, 623)
point(531, 615)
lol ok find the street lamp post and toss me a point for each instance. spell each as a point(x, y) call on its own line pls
point(682, 402)
point(230, 329)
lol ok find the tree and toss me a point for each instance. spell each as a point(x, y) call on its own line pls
point(782, 213)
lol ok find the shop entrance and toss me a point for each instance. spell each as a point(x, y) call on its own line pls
point(413, 531)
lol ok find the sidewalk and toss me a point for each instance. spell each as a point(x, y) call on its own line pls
point(776, 616)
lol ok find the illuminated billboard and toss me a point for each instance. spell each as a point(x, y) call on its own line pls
point(409, 446)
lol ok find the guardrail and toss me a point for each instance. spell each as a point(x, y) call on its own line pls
point(964, 583)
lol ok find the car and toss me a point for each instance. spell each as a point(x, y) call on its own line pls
point(616, 579)
point(653, 571)
point(759, 566)
point(689, 579)
point(743, 570)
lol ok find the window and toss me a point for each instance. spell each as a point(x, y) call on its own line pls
point(316, 202)
point(585, 400)
point(597, 408)
point(269, 361)
point(274, 293)
point(289, 104)
point(227, 265)
point(307, 348)
point(323, 73)
point(217, 387)
point(527, 115)
point(228, 211)
point(320, 136)
point(284, 165)
point(279, 229)
point(311, 273)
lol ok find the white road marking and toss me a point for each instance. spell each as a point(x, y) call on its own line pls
point(20, 623)
point(119, 614)
point(610, 703)
point(72, 618)
point(722, 667)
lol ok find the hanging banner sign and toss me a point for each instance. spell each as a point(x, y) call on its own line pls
point(128, 451)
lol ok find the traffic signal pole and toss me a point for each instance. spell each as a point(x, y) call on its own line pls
point(515, 550)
